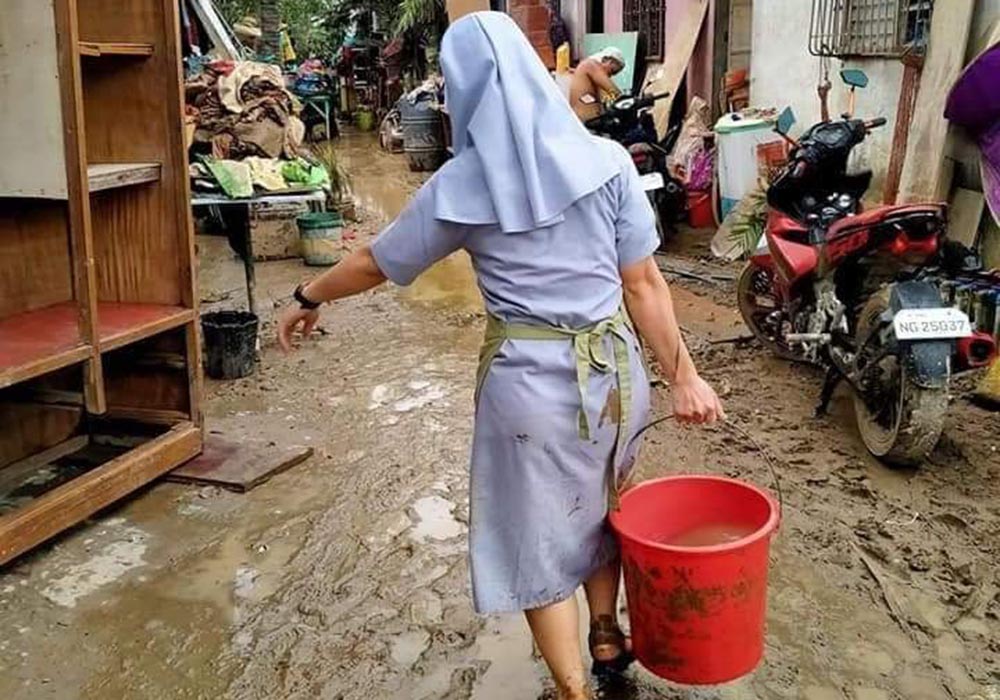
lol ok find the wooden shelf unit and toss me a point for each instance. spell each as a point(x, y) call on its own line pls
point(97, 281)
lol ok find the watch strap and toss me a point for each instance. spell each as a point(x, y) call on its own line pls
point(304, 301)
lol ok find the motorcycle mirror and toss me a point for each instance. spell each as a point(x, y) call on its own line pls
point(785, 122)
point(855, 77)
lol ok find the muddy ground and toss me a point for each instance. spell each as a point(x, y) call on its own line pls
point(345, 578)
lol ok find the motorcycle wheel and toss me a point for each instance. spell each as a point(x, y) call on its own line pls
point(757, 301)
point(900, 422)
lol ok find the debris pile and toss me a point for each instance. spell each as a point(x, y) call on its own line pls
point(247, 132)
point(244, 109)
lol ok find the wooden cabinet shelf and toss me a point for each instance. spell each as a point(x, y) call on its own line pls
point(44, 340)
point(121, 324)
point(106, 176)
point(114, 48)
point(40, 341)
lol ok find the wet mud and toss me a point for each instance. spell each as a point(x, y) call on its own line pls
point(346, 576)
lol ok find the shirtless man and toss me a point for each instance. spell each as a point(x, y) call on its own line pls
point(591, 84)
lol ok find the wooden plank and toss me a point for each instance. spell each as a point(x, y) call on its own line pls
point(73, 400)
point(80, 230)
point(238, 466)
point(141, 376)
point(153, 416)
point(72, 502)
point(122, 324)
point(43, 365)
point(196, 388)
point(965, 213)
point(110, 48)
point(35, 263)
point(107, 176)
point(136, 244)
point(31, 137)
point(216, 28)
point(923, 170)
point(668, 77)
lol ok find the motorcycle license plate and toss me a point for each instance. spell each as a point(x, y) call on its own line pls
point(651, 181)
point(929, 324)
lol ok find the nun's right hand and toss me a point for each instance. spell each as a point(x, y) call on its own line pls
point(695, 402)
point(295, 319)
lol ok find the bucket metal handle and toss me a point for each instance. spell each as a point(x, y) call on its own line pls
point(740, 432)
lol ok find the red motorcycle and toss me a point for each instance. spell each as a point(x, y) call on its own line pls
point(854, 291)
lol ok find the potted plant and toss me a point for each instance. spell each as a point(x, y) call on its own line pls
point(341, 198)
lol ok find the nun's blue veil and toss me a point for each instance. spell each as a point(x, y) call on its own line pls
point(522, 157)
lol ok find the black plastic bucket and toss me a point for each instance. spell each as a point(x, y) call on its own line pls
point(230, 343)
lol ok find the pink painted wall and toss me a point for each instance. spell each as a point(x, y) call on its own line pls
point(613, 16)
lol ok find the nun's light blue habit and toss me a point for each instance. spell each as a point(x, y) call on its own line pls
point(549, 215)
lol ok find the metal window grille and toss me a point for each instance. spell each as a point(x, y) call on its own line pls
point(646, 17)
point(888, 28)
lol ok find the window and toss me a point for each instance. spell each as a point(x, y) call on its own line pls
point(888, 28)
point(646, 17)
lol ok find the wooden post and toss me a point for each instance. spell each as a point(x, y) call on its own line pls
point(78, 200)
point(912, 66)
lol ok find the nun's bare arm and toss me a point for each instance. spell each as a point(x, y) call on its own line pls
point(354, 274)
point(649, 303)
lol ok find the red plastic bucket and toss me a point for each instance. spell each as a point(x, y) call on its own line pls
point(700, 210)
point(696, 611)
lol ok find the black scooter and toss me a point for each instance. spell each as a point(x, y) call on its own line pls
point(629, 121)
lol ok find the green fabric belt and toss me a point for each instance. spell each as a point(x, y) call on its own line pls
point(589, 351)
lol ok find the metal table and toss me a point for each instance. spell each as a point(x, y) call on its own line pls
point(316, 199)
point(322, 104)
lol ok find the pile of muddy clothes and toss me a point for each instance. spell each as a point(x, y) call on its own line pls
point(243, 109)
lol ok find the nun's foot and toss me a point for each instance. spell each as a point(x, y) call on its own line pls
point(575, 694)
point(609, 647)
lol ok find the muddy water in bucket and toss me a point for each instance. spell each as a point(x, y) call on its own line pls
point(695, 559)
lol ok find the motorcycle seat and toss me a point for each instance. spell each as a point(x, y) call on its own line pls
point(878, 215)
point(787, 227)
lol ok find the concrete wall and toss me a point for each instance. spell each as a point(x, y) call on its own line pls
point(782, 74)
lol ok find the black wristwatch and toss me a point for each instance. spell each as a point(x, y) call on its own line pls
point(303, 300)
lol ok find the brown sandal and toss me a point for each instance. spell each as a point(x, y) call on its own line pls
point(604, 631)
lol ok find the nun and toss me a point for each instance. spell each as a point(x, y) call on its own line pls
point(561, 236)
